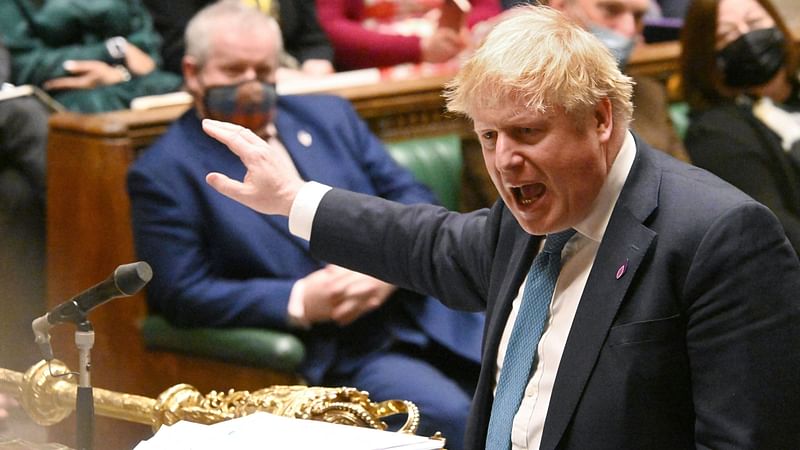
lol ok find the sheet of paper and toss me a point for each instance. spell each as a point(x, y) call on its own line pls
point(253, 431)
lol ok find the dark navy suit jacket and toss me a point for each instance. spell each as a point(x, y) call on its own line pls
point(696, 345)
point(218, 263)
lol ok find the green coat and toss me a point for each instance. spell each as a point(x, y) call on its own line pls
point(41, 38)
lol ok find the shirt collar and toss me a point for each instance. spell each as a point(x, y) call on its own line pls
point(594, 225)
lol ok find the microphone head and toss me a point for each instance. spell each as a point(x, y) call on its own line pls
point(129, 278)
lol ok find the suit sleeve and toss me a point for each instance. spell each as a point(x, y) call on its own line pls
point(356, 47)
point(737, 155)
point(187, 287)
point(742, 333)
point(424, 248)
point(483, 10)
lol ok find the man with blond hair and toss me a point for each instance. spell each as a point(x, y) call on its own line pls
point(633, 302)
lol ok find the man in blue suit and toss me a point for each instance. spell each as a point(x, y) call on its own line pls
point(672, 320)
point(218, 263)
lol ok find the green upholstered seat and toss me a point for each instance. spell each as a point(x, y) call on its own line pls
point(435, 162)
point(257, 347)
point(679, 114)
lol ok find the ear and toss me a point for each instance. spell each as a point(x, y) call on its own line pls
point(191, 72)
point(604, 118)
point(558, 5)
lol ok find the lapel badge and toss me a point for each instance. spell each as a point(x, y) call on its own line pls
point(304, 138)
point(622, 269)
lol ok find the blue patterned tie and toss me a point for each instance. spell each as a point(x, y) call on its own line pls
point(521, 351)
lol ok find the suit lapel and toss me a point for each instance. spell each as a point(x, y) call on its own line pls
point(216, 157)
point(625, 243)
point(303, 147)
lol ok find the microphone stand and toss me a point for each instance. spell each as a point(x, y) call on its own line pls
point(84, 401)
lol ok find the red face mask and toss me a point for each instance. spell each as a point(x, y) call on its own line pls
point(250, 104)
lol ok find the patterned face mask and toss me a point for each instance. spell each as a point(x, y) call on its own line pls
point(621, 46)
point(250, 104)
point(753, 58)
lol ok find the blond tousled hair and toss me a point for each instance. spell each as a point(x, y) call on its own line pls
point(539, 59)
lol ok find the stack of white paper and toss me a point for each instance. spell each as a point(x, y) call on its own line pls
point(262, 430)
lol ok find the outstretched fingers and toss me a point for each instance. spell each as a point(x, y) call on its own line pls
point(243, 142)
point(269, 186)
point(227, 186)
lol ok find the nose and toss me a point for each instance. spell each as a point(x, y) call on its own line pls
point(506, 155)
point(249, 74)
point(742, 27)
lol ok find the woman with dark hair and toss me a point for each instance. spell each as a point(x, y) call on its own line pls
point(739, 69)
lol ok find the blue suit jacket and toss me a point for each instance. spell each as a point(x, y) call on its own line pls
point(218, 263)
point(695, 346)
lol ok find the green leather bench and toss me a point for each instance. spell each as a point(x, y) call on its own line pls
point(679, 114)
point(435, 161)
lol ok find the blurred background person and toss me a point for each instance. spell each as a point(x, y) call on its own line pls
point(619, 25)
point(307, 50)
point(91, 56)
point(739, 76)
point(220, 264)
point(23, 155)
point(673, 8)
point(381, 33)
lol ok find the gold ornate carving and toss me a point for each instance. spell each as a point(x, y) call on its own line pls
point(47, 392)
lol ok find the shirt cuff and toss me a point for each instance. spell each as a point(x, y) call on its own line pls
point(296, 308)
point(304, 208)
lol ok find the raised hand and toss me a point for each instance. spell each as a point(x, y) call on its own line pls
point(269, 186)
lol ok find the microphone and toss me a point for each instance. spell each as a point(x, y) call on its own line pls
point(126, 280)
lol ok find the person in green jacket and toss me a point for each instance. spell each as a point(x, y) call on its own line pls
point(91, 56)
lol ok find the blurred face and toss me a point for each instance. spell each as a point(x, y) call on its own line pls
point(737, 17)
point(625, 17)
point(234, 57)
point(547, 171)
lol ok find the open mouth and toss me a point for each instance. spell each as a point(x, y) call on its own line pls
point(528, 193)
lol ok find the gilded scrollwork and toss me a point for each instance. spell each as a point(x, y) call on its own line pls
point(47, 393)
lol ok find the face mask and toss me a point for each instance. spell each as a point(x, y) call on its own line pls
point(250, 104)
point(752, 59)
point(620, 46)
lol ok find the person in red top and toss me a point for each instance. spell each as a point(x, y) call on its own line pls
point(380, 33)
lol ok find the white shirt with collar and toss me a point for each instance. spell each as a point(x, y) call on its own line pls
point(577, 259)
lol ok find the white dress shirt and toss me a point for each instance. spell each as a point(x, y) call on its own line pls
point(577, 259)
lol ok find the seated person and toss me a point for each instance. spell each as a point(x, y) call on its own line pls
point(307, 49)
point(739, 73)
point(380, 33)
point(23, 144)
point(90, 56)
point(673, 8)
point(23, 158)
point(217, 263)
